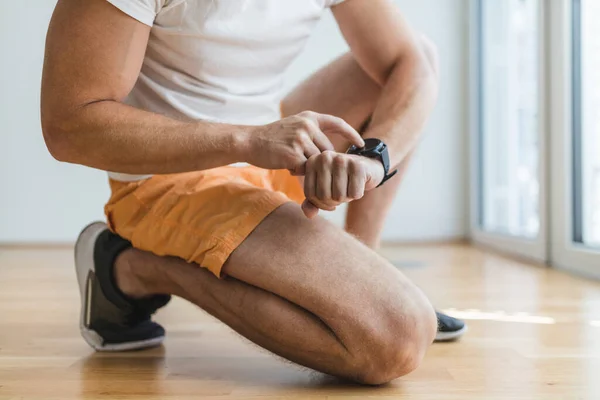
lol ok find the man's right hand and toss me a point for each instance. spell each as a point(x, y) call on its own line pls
point(290, 142)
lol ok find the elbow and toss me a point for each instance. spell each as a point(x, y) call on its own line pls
point(420, 61)
point(57, 140)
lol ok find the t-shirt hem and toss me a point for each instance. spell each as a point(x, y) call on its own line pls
point(332, 3)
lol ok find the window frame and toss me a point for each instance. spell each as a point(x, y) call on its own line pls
point(535, 249)
point(566, 133)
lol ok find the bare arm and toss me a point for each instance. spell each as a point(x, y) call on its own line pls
point(94, 54)
point(388, 50)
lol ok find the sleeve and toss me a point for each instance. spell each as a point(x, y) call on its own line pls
point(144, 11)
point(331, 3)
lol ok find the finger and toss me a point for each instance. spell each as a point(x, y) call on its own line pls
point(310, 179)
point(310, 149)
point(321, 140)
point(334, 125)
point(309, 209)
point(339, 185)
point(300, 168)
point(321, 206)
point(357, 180)
point(323, 182)
point(310, 184)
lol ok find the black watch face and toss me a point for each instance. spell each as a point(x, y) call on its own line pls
point(372, 144)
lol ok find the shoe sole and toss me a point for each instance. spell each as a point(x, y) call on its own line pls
point(84, 264)
point(450, 336)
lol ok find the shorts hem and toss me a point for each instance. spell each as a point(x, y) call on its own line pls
point(215, 258)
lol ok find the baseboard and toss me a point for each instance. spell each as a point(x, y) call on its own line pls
point(507, 254)
point(35, 245)
point(426, 242)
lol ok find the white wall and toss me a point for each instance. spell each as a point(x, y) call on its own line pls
point(43, 200)
point(432, 203)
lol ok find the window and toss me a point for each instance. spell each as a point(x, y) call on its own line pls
point(535, 101)
point(586, 122)
point(509, 112)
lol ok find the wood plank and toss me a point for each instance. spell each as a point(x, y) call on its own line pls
point(534, 334)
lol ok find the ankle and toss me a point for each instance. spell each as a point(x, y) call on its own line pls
point(127, 275)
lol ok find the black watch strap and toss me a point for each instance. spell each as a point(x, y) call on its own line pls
point(375, 148)
point(387, 177)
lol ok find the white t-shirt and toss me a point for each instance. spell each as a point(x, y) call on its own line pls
point(219, 60)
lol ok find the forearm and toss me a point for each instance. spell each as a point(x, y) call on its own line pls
point(112, 136)
point(408, 97)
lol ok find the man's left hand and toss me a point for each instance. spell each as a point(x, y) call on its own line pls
point(334, 178)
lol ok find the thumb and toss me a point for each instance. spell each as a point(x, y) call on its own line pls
point(299, 170)
point(375, 173)
point(309, 209)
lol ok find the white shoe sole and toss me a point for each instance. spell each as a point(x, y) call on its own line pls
point(84, 263)
point(449, 336)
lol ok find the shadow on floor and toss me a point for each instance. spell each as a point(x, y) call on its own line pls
point(152, 373)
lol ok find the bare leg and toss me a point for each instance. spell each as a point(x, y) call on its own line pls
point(343, 89)
point(366, 217)
point(312, 294)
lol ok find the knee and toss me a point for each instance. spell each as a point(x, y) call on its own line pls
point(397, 346)
point(387, 367)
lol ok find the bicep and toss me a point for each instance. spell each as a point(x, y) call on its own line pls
point(94, 52)
point(377, 33)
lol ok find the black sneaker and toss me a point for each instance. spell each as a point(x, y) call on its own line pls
point(449, 328)
point(110, 320)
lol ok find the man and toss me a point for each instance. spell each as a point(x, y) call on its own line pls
point(181, 99)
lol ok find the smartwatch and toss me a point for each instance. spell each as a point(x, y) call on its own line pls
point(375, 148)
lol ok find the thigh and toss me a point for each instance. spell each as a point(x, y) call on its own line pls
point(326, 271)
point(201, 217)
point(342, 89)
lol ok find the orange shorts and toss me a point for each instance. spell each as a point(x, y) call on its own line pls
point(201, 217)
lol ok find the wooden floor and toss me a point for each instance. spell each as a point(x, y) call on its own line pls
point(534, 334)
